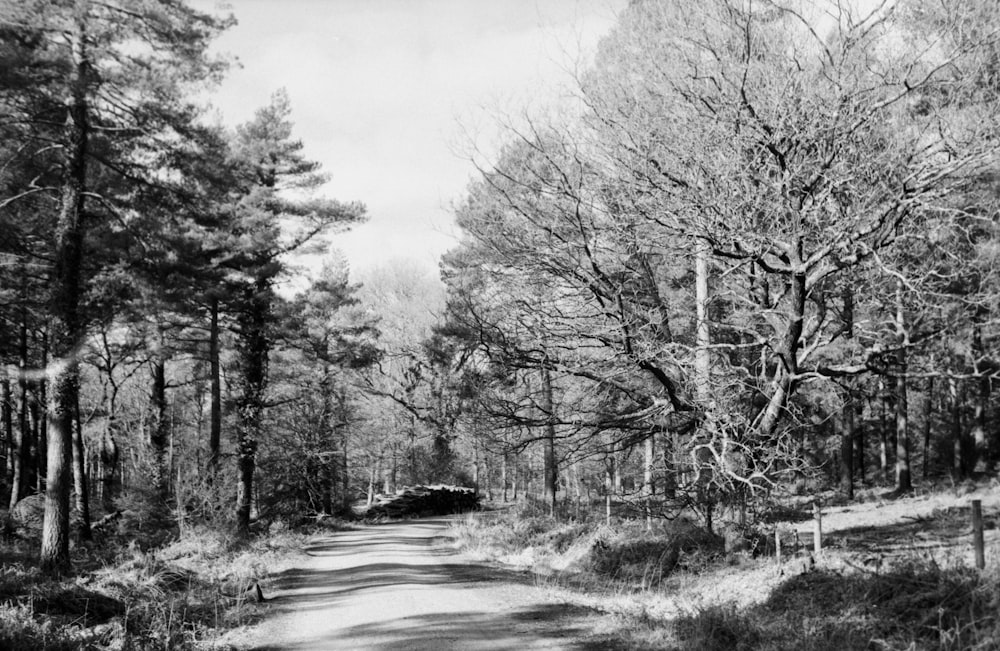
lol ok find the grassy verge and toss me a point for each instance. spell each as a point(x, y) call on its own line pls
point(181, 596)
point(675, 588)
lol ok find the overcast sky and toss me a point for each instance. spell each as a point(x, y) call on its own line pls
point(383, 92)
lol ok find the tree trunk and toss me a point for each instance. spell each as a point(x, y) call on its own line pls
point(503, 475)
point(903, 481)
point(159, 431)
point(475, 465)
point(387, 471)
point(848, 431)
point(109, 467)
point(67, 327)
point(979, 451)
point(21, 460)
point(957, 443)
point(550, 468)
point(80, 475)
point(215, 408)
point(883, 433)
point(783, 381)
point(373, 473)
point(847, 448)
point(255, 317)
point(649, 452)
point(860, 444)
point(514, 476)
point(928, 406)
point(488, 468)
point(395, 469)
point(345, 480)
point(619, 484)
point(609, 466)
point(7, 449)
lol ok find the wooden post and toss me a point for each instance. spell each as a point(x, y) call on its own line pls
point(977, 533)
point(777, 545)
point(817, 528)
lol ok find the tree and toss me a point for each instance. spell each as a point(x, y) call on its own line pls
point(110, 85)
point(795, 152)
point(269, 221)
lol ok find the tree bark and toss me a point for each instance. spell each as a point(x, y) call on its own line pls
point(957, 447)
point(40, 418)
point(702, 356)
point(80, 489)
point(7, 447)
point(903, 481)
point(849, 428)
point(215, 407)
point(787, 368)
point(503, 474)
point(928, 406)
point(859, 436)
point(21, 460)
point(159, 431)
point(649, 458)
point(883, 432)
point(109, 457)
point(978, 439)
point(550, 469)
point(345, 480)
point(847, 449)
point(255, 348)
point(67, 327)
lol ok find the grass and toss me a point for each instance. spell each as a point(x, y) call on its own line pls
point(674, 587)
point(181, 596)
point(916, 605)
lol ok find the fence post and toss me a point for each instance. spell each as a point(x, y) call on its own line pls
point(777, 545)
point(977, 533)
point(817, 528)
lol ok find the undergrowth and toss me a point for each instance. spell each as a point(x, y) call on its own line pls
point(125, 596)
point(913, 603)
point(916, 605)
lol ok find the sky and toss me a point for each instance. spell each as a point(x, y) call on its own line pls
point(389, 95)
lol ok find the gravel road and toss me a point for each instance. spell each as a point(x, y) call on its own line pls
point(398, 586)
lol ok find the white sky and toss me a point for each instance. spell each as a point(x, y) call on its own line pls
point(380, 90)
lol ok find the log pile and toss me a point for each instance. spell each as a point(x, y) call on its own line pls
point(417, 501)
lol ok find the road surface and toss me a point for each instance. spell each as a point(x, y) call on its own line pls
point(396, 586)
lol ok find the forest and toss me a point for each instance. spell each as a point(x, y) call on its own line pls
point(755, 255)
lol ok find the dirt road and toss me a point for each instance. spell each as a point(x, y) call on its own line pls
point(396, 586)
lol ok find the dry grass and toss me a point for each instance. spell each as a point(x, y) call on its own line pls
point(896, 575)
point(181, 596)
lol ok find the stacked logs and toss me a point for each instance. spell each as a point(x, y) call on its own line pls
point(417, 501)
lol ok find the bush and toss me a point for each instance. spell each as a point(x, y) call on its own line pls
point(649, 557)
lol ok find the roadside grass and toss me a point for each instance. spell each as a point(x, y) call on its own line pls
point(184, 595)
point(914, 605)
point(675, 587)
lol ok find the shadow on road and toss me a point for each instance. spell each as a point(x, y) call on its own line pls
point(323, 588)
point(552, 626)
point(375, 563)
